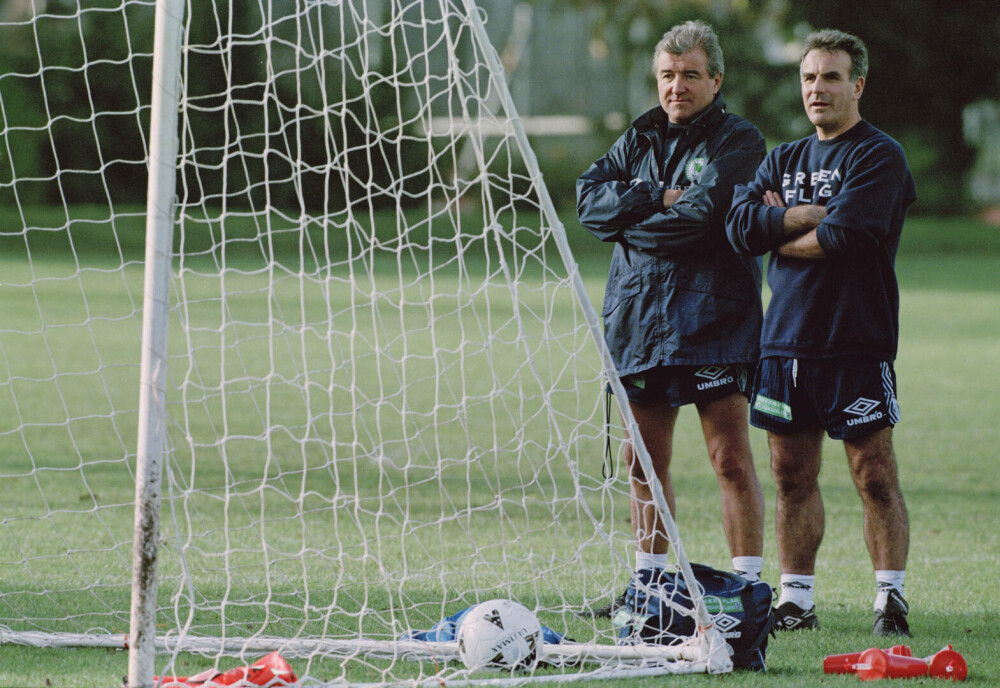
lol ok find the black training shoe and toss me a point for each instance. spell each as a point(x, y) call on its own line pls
point(891, 621)
point(634, 598)
point(791, 617)
point(607, 611)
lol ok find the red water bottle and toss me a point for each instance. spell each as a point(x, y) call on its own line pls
point(875, 664)
point(948, 664)
point(847, 663)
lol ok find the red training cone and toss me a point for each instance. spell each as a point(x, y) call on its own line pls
point(948, 664)
point(875, 664)
point(847, 663)
point(270, 670)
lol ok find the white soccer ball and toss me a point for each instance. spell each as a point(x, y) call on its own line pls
point(500, 634)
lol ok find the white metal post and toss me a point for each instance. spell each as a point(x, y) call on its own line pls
point(163, 146)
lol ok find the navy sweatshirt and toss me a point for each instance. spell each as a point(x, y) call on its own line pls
point(848, 302)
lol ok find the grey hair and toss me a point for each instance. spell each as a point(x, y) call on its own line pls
point(688, 36)
point(831, 40)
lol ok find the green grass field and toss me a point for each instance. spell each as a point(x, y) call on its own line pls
point(945, 443)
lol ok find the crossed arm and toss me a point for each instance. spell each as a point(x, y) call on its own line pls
point(617, 202)
point(799, 224)
point(671, 196)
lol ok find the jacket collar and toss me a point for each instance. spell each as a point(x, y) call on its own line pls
point(656, 118)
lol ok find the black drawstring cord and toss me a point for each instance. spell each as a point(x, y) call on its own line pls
point(608, 466)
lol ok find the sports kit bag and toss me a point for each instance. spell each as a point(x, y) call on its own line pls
point(741, 612)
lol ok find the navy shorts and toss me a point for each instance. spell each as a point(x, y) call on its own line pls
point(679, 385)
point(849, 397)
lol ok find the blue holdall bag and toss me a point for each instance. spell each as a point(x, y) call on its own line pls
point(741, 611)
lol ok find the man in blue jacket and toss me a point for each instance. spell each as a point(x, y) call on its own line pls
point(830, 210)
point(682, 309)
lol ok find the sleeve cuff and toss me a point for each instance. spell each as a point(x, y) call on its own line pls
point(773, 221)
point(832, 240)
point(643, 199)
point(655, 198)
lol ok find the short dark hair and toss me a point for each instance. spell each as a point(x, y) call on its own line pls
point(688, 36)
point(831, 40)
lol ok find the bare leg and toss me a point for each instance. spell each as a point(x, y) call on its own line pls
point(795, 463)
point(656, 425)
point(724, 423)
point(887, 528)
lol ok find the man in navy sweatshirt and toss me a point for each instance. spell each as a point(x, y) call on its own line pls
point(682, 310)
point(830, 208)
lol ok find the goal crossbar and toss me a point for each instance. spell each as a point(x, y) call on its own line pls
point(569, 653)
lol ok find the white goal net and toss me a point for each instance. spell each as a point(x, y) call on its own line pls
point(384, 383)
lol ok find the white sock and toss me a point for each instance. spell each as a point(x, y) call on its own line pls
point(886, 580)
point(748, 567)
point(797, 589)
point(648, 560)
point(661, 561)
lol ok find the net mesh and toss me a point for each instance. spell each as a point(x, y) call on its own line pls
point(385, 402)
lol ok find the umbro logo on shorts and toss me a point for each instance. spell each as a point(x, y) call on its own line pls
point(711, 372)
point(717, 375)
point(863, 409)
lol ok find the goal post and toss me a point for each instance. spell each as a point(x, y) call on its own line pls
point(351, 382)
point(152, 428)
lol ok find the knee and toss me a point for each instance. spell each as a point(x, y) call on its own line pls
point(873, 466)
point(792, 480)
point(792, 485)
point(795, 463)
point(733, 465)
point(876, 479)
point(640, 483)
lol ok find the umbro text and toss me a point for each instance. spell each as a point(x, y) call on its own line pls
point(865, 419)
point(716, 383)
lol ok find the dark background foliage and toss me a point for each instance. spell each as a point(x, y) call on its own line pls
point(74, 94)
